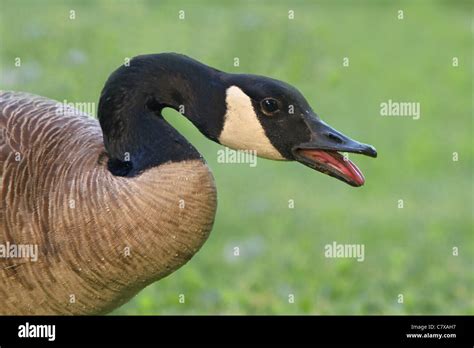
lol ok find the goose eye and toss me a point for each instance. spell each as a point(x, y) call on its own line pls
point(269, 105)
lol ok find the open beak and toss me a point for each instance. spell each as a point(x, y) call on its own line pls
point(322, 152)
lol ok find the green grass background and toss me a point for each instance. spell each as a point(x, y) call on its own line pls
point(407, 251)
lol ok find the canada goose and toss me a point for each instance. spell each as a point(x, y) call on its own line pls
point(115, 205)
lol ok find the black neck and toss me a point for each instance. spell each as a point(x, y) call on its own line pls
point(136, 136)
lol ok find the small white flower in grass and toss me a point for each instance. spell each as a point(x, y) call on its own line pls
point(76, 56)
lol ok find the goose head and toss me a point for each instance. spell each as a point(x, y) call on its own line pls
point(240, 111)
point(274, 119)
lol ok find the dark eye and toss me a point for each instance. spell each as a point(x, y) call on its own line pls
point(269, 105)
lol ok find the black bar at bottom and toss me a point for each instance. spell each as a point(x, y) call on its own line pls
point(290, 330)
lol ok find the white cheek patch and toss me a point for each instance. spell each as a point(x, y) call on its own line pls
point(242, 129)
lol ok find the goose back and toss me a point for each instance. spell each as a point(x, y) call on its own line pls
point(100, 238)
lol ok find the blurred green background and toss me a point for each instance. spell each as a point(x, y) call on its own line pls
point(408, 251)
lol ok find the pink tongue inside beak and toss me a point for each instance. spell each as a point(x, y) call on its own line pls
point(335, 160)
